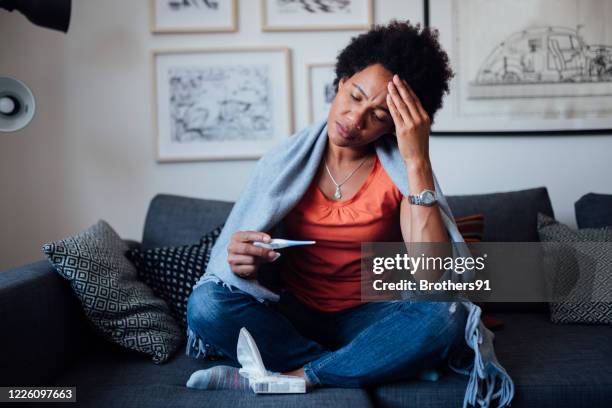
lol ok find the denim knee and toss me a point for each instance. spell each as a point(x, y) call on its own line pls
point(204, 308)
point(452, 323)
point(448, 321)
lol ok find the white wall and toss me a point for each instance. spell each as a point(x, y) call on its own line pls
point(89, 152)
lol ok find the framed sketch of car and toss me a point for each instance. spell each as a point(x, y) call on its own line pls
point(221, 104)
point(519, 69)
point(543, 55)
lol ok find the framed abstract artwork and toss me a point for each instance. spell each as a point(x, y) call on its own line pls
point(525, 66)
point(221, 104)
point(321, 91)
point(316, 15)
point(193, 16)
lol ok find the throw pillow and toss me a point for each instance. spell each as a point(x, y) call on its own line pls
point(583, 272)
point(120, 307)
point(172, 271)
point(471, 227)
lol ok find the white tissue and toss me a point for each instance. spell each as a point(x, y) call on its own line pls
point(261, 380)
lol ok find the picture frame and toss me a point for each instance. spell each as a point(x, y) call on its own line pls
point(220, 103)
point(321, 15)
point(519, 77)
point(193, 16)
point(320, 89)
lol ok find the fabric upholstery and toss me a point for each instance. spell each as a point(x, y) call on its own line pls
point(123, 309)
point(41, 325)
point(114, 378)
point(551, 365)
point(594, 211)
point(176, 220)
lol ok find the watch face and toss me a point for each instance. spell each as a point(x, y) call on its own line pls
point(428, 197)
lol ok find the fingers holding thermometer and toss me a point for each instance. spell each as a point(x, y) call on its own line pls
point(278, 243)
point(244, 257)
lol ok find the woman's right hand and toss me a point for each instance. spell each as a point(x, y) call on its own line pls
point(244, 257)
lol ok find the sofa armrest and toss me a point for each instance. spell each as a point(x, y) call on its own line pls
point(42, 324)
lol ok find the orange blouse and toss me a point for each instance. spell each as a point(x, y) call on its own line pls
point(326, 276)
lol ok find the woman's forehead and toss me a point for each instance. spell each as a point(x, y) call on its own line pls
point(372, 76)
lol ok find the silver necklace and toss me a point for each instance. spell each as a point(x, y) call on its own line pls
point(338, 193)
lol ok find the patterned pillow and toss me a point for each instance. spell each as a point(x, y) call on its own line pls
point(172, 271)
point(120, 307)
point(583, 272)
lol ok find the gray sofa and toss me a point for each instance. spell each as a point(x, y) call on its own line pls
point(45, 339)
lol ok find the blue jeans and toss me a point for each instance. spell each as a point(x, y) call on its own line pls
point(368, 344)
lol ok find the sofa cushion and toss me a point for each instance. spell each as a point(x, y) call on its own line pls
point(551, 366)
point(509, 216)
point(171, 271)
point(120, 307)
point(594, 210)
point(175, 220)
point(112, 378)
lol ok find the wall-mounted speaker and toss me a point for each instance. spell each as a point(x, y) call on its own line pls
point(17, 104)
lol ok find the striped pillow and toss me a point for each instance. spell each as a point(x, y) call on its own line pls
point(471, 227)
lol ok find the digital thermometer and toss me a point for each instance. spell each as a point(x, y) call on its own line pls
point(278, 243)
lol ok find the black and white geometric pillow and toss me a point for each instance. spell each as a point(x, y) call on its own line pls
point(172, 271)
point(583, 272)
point(119, 306)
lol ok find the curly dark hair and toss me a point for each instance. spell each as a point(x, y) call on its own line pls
point(407, 50)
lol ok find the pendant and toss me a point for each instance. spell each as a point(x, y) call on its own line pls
point(338, 193)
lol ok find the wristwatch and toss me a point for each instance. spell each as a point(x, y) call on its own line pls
point(426, 198)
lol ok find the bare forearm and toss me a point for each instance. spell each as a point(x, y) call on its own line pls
point(420, 223)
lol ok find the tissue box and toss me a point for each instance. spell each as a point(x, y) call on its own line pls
point(278, 384)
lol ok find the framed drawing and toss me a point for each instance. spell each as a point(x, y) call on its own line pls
point(193, 16)
point(528, 66)
point(321, 91)
point(219, 104)
point(316, 15)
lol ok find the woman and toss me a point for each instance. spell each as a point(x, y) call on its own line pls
point(319, 328)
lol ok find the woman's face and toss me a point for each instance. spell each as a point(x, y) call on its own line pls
point(359, 114)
